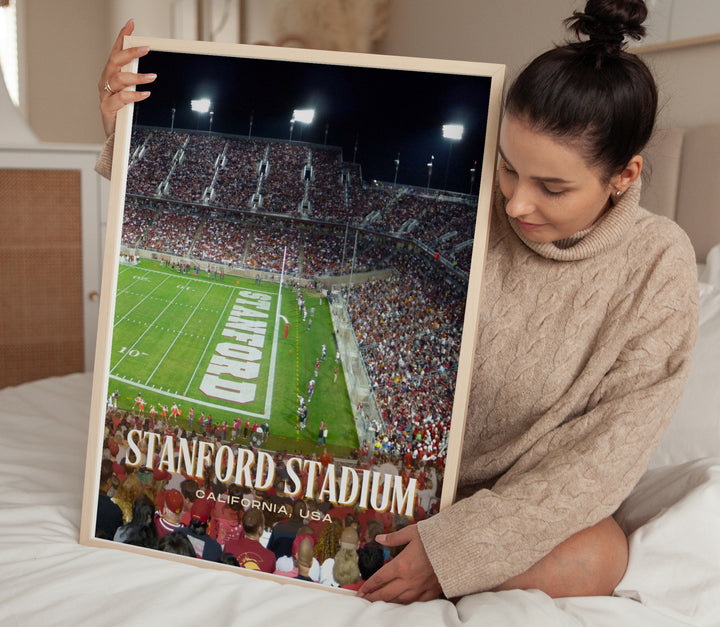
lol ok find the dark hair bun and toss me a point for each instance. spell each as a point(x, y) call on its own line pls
point(608, 22)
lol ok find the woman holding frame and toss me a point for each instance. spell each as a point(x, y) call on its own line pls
point(587, 325)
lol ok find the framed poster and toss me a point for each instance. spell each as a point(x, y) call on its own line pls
point(290, 289)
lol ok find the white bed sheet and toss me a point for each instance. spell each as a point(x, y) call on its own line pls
point(47, 578)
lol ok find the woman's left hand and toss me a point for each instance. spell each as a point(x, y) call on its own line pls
point(113, 81)
point(406, 578)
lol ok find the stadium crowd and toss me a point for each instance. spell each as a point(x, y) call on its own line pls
point(252, 241)
point(266, 248)
point(136, 220)
point(408, 328)
point(283, 188)
point(326, 191)
point(195, 170)
point(239, 174)
point(291, 179)
point(172, 232)
point(222, 240)
point(152, 162)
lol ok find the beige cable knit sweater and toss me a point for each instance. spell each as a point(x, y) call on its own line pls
point(582, 352)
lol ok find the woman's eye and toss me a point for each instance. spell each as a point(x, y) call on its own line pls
point(550, 192)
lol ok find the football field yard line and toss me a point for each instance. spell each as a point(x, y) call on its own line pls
point(183, 398)
point(150, 326)
point(273, 356)
point(178, 334)
point(123, 271)
point(200, 280)
point(140, 302)
point(212, 335)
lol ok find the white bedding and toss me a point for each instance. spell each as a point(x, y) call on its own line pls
point(47, 578)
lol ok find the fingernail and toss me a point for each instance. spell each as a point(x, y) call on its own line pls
point(144, 94)
point(150, 77)
point(144, 49)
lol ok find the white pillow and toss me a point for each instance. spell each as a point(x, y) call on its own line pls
point(710, 271)
point(695, 429)
point(673, 519)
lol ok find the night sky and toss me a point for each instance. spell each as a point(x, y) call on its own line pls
point(384, 111)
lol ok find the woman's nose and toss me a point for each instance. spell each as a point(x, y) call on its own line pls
point(519, 203)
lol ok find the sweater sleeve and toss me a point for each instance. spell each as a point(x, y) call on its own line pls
point(578, 473)
point(104, 163)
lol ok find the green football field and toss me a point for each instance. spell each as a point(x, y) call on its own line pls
point(220, 346)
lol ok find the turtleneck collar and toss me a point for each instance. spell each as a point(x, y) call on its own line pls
point(604, 235)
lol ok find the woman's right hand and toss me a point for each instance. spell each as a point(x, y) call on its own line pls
point(113, 82)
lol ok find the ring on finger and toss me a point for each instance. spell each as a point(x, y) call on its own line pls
point(109, 89)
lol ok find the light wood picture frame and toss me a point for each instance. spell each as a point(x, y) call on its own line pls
point(234, 227)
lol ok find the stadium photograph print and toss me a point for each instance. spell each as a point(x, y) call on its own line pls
point(294, 249)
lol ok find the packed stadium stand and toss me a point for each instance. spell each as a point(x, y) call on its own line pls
point(175, 171)
point(246, 202)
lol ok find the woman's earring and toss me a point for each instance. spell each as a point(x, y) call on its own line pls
point(618, 193)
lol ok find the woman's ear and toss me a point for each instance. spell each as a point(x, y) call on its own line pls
point(628, 175)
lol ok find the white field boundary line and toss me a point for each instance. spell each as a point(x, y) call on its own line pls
point(140, 302)
point(221, 317)
point(185, 399)
point(150, 326)
point(273, 357)
point(198, 280)
point(273, 353)
point(178, 334)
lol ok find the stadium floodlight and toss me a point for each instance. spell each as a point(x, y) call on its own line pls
point(305, 116)
point(453, 131)
point(201, 105)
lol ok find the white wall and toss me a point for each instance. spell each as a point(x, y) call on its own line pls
point(670, 20)
point(688, 82)
point(65, 47)
point(152, 19)
point(67, 44)
point(496, 31)
point(514, 31)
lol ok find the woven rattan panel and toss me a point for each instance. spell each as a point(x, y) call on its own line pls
point(41, 297)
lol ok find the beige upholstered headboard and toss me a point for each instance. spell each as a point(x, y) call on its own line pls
point(683, 182)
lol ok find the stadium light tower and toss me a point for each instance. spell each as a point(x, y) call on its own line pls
point(453, 132)
point(305, 116)
point(430, 167)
